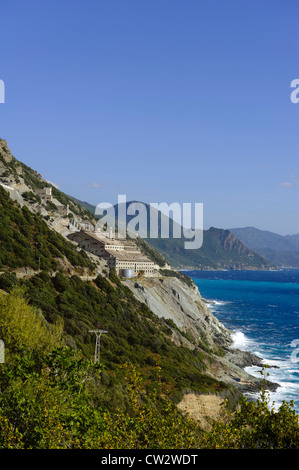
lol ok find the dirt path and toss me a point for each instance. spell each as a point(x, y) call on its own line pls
point(202, 408)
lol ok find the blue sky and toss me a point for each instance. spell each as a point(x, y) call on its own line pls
point(161, 100)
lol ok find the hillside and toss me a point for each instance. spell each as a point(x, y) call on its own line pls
point(221, 249)
point(54, 273)
point(30, 189)
point(27, 244)
point(279, 250)
point(163, 344)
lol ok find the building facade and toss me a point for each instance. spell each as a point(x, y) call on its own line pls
point(120, 255)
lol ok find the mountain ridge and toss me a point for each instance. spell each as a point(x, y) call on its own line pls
point(280, 250)
point(221, 249)
point(161, 327)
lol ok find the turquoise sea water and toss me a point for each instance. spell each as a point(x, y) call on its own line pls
point(262, 310)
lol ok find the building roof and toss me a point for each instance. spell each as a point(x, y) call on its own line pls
point(123, 255)
point(100, 238)
point(133, 254)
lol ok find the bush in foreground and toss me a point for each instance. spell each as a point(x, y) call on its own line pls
point(52, 397)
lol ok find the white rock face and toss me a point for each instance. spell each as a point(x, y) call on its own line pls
point(171, 298)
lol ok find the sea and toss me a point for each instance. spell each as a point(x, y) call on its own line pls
point(261, 308)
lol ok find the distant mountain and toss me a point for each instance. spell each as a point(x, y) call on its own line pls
point(60, 298)
point(88, 207)
point(256, 239)
point(220, 250)
point(280, 250)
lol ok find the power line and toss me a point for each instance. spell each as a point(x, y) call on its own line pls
point(98, 334)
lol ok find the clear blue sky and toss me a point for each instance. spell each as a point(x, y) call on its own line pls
point(161, 100)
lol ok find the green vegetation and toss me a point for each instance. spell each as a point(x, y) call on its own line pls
point(220, 249)
point(256, 425)
point(53, 401)
point(27, 241)
point(182, 276)
point(25, 327)
point(135, 336)
point(17, 169)
point(53, 397)
point(151, 252)
point(31, 197)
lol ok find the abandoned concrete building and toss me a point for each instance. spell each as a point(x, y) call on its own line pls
point(45, 193)
point(62, 210)
point(119, 254)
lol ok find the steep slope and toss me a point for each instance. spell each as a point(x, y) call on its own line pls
point(162, 322)
point(139, 332)
point(256, 239)
point(135, 334)
point(30, 189)
point(168, 321)
point(28, 244)
point(183, 306)
point(221, 249)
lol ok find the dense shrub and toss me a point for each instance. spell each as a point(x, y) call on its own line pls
point(27, 241)
point(22, 326)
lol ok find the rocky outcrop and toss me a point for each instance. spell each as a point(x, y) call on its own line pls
point(197, 328)
point(170, 298)
point(191, 322)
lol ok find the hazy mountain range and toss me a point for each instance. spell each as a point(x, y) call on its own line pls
point(280, 250)
point(239, 248)
point(234, 248)
point(221, 249)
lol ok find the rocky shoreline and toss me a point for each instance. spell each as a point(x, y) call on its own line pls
point(242, 380)
point(170, 298)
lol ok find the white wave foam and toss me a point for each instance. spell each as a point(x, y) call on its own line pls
point(240, 341)
point(276, 362)
point(287, 388)
point(221, 302)
point(287, 391)
point(217, 303)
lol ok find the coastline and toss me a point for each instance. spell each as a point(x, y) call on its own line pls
point(238, 364)
point(170, 298)
point(252, 378)
point(266, 344)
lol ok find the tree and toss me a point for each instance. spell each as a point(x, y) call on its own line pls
point(23, 326)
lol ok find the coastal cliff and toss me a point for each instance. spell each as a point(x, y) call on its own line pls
point(198, 329)
point(183, 333)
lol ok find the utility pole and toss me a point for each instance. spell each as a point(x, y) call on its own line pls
point(2, 351)
point(98, 334)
